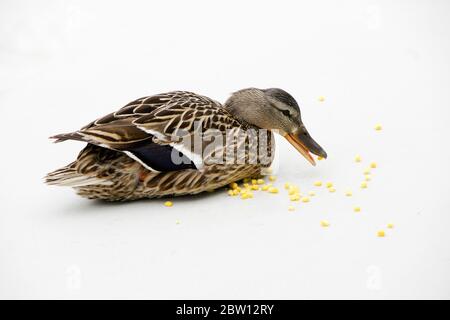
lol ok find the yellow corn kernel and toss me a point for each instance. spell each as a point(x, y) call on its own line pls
point(319, 158)
point(321, 99)
point(260, 181)
point(357, 209)
point(265, 187)
point(381, 233)
point(366, 171)
point(230, 192)
point(305, 199)
point(233, 185)
point(318, 183)
point(367, 177)
point(390, 225)
point(273, 190)
point(235, 192)
point(177, 221)
point(329, 184)
point(324, 223)
point(373, 165)
point(292, 191)
point(378, 127)
point(363, 185)
point(311, 193)
point(291, 208)
point(168, 203)
point(272, 178)
point(331, 189)
point(287, 185)
point(294, 197)
point(254, 181)
point(255, 187)
point(348, 193)
point(246, 185)
point(358, 158)
point(246, 195)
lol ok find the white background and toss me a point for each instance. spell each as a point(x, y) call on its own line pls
point(64, 63)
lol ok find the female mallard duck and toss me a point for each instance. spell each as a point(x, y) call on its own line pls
point(180, 143)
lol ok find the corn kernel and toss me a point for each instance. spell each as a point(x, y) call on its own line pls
point(260, 181)
point(311, 193)
point(329, 184)
point(177, 221)
point(381, 233)
point(255, 187)
point(265, 187)
point(378, 127)
point(373, 165)
point(366, 171)
point(305, 199)
point(233, 185)
point(273, 190)
point(168, 203)
point(363, 185)
point(246, 185)
point(230, 192)
point(358, 158)
point(319, 158)
point(294, 197)
point(390, 225)
point(246, 195)
point(287, 185)
point(324, 223)
point(321, 99)
point(291, 208)
point(348, 193)
point(331, 189)
point(357, 209)
point(254, 181)
point(292, 191)
point(235, 192)
point(272, 178)
point(367, 177)
point(318, 183)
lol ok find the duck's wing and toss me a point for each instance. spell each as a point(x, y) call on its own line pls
point(148, 129)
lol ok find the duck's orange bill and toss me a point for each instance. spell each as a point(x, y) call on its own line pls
point(300, 147)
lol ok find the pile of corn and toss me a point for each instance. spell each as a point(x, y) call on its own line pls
point(249, 185)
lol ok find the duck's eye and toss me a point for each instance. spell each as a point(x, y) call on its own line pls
point(286, 113)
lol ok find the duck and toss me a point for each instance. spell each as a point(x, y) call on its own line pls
point(182, 143)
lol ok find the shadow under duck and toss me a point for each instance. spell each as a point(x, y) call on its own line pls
point(160, 145)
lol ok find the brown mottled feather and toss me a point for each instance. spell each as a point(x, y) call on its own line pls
point(103, 171)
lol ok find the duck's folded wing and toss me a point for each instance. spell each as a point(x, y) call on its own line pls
point(148, 130)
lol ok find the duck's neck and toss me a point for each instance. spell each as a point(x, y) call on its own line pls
point(245, 104)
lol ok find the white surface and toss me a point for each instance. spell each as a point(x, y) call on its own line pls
point(64, 63)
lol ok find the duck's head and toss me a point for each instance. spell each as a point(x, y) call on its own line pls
point(275, 109)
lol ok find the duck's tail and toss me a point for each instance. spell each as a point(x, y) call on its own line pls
point(68, 176)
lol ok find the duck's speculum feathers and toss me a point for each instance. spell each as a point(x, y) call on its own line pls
point(162, 158)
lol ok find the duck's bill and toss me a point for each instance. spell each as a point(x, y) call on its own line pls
point(305, 144)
